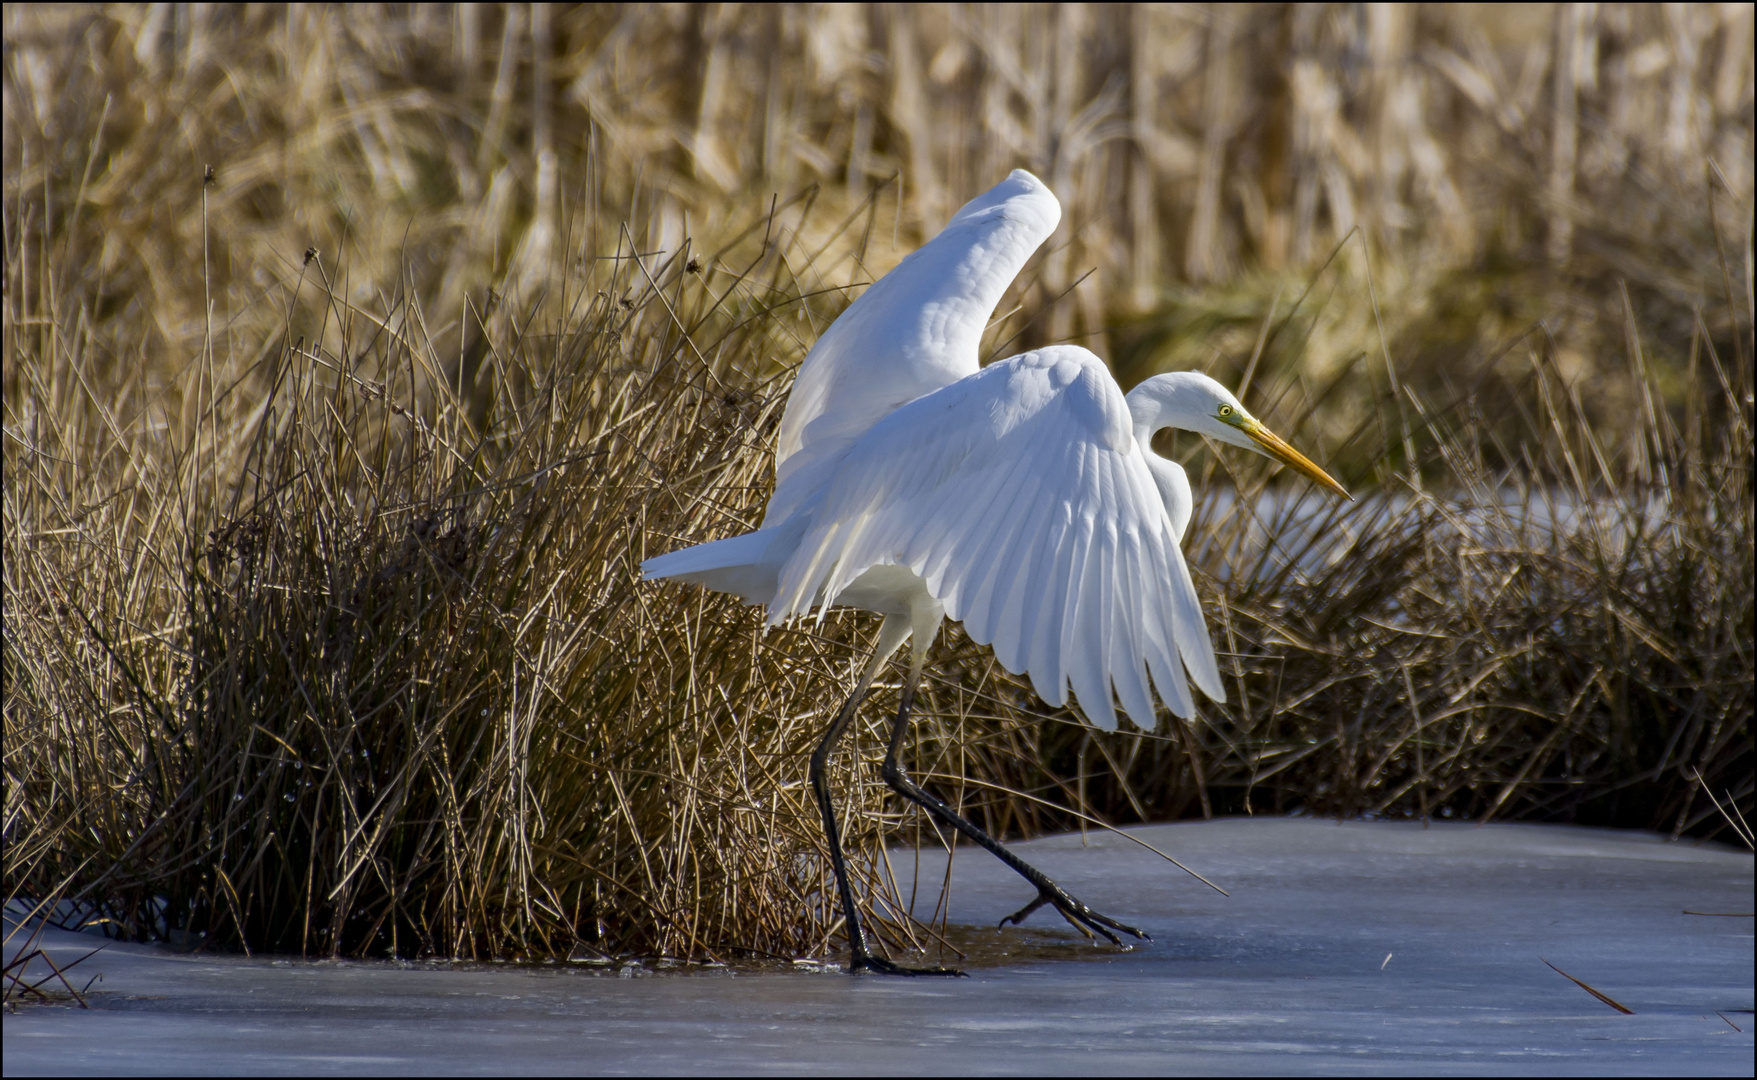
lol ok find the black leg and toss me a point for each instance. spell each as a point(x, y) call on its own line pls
point(1083, 918)
point(860, 957)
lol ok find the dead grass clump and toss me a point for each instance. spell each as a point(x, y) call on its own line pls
point(346, 674)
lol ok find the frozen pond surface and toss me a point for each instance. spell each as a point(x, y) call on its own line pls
point(1288, 975)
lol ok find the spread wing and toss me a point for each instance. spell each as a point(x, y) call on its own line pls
point(914, 331)
point(1019, 495)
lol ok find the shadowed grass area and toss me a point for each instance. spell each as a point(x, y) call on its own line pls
point(323, 627)
point(362, 678)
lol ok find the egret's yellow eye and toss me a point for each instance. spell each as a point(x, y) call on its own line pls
point(1225, 411)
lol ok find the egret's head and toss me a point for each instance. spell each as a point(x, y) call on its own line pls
point(1191, 401)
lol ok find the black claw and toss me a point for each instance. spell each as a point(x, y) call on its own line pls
point(1018, 918)
point(1078, 915)
point(1085, 924)
point(885, 967)
point(1124, 927)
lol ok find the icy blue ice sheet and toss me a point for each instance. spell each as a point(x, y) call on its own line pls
point(1288, 975)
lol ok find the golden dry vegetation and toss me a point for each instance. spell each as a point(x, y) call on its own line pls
point(327, 471)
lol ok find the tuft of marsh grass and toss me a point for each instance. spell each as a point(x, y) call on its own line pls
point(354, 671)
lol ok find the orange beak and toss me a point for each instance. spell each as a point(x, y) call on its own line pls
point(1275, 447)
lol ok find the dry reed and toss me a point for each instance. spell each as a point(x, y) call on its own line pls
point(374, 677)
point(326, 474)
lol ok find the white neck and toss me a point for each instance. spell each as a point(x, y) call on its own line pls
point(1179, 399)
point(1169, 401)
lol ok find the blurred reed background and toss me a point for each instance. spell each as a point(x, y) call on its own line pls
point(1504, 163)
point(355, 356)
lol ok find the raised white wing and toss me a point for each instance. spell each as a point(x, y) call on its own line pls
point(914, 331)
point(1022, 499)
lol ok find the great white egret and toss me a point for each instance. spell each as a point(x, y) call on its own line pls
point(1022, 499)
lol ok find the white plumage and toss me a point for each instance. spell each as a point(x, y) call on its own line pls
point(1022, 499)
point(917, 329)
point(1016, 499)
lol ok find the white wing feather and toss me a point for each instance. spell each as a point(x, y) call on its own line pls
point(1022, 499)
point(914, 331)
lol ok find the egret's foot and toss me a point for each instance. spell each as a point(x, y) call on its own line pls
point(1079, 916)
point(879, 966)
